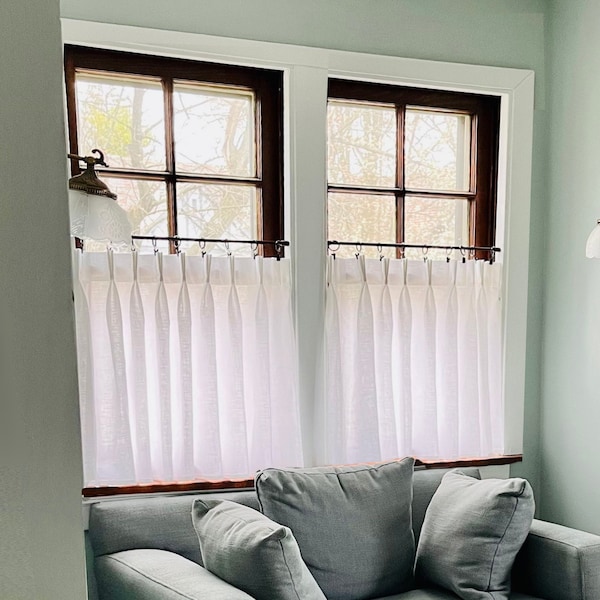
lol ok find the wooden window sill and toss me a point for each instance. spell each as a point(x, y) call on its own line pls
point(248, 483)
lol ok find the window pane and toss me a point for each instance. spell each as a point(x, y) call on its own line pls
point(361, 217)
point(124, 118)
point(361, 144)
point(146, 206)
point(436, 222)
point(217, 211)
point(437, 146)
point(214, 130)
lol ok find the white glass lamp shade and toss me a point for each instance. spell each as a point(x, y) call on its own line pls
point(592, 247)
point(99, 218)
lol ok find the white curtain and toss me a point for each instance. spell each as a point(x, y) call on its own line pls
point(187, 366)
point(413, 359)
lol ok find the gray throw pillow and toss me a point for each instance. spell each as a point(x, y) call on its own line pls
point(251, 552)
point(353, 524)
point(472, 532)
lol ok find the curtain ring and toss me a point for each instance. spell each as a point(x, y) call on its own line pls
point(462, 251)
point(227, 247)
point(380, 250)
point(202, 244)
point(425, 250)
point(333, 247)
point(278, 248)
point(358, 249)
point(254, 248)
point(155, 245)
point(177, 243)
point(448, 253)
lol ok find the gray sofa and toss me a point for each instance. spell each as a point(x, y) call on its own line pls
point(147, 549)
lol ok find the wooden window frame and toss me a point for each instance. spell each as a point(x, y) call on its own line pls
point(267, 86)
point(484, 111)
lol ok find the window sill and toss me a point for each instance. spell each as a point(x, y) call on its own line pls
point(248, 483)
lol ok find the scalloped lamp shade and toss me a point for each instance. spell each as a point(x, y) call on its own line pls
point(592, 246)
point(98, 218)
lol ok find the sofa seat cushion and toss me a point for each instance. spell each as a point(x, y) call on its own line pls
point(472, 532)
point(148, 574)
point(353, 524)
point(251, 552)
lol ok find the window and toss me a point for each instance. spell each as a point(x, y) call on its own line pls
point(195, 149)
point(307, 79)
point(187, 362)
point(411, 165)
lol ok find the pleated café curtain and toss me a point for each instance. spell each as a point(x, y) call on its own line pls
point(413, 360)
point(187, 366)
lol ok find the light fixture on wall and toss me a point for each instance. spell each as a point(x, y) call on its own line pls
point(592, 246)
point(94, 212)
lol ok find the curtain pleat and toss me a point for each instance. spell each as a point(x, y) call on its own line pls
point(187, 367)
point(413, 359)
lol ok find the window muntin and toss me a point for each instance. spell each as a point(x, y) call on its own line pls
point(195, 149)
point(433, 152)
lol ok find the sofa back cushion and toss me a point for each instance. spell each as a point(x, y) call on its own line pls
point(165, 523)
point(162, 523)
point(353, 524)
point(425, 484)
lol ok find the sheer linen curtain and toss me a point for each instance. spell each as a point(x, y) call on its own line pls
point(187, 366)
point(413, 359)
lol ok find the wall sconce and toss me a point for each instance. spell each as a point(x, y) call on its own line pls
point(592, 246)
point(93, 209)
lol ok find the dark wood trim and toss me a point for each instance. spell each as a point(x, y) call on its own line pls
point(71, 112)
point(469, 462)
point(167, 85)
point(346, 89)
point(155, 488)
point(248, 483)
point(267, 87)
point(270, 161)
point(149, 65)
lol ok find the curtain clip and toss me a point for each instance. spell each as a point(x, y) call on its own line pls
point(358, 249)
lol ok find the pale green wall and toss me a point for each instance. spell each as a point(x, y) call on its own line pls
point(571, 333)
point(41, 540)
point(507, 33)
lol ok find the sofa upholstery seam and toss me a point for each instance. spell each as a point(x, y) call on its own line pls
point(581, 573)
point(354, 470)
point(289, 571)
point(562, 542)
point(150, 577)
point(512, 516)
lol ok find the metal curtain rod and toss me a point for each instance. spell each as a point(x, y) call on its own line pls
point(404, 245)
point(176, 238)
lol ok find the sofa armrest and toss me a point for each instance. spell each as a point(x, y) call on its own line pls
point(147, 574)
point(558, 563)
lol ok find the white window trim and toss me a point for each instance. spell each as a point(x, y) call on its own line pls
point(306, 73)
